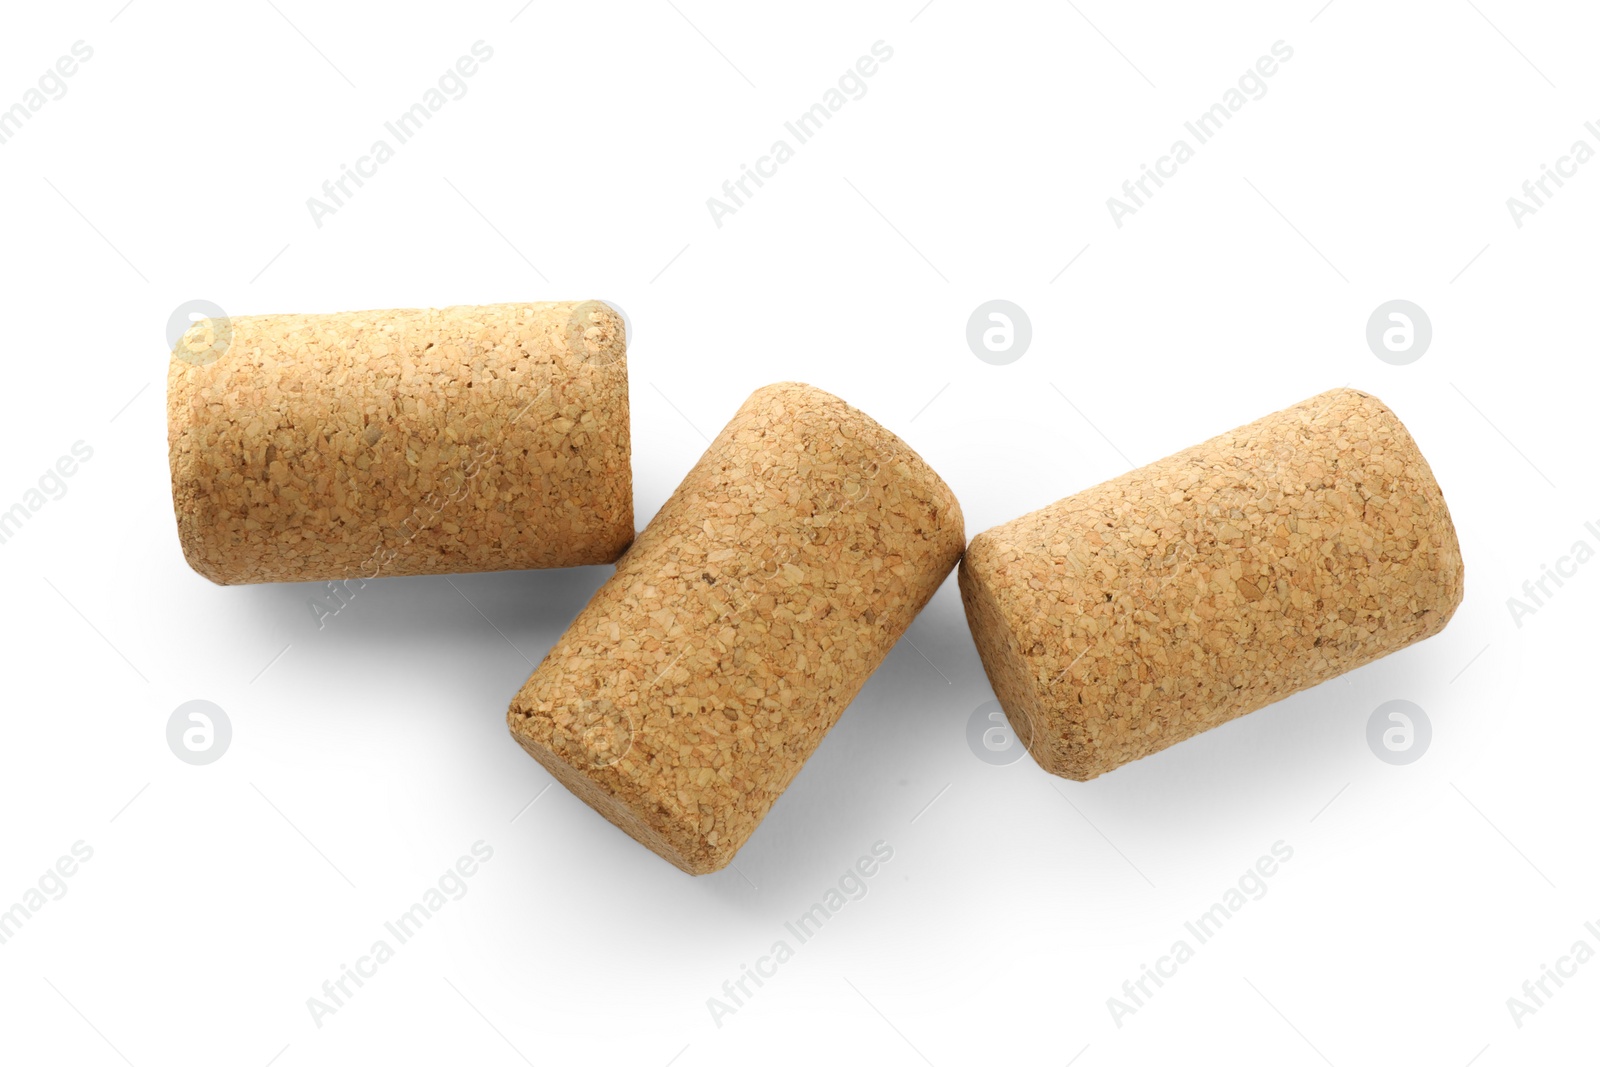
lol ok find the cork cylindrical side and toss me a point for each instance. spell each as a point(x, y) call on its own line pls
point(1214, 582)
point(378, 443)
point(747, 615)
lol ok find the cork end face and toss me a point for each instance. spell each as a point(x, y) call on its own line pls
point(1444, 585)
point(587, 748)
point(1004, 661)
point(1058, 740)
point(188, 504)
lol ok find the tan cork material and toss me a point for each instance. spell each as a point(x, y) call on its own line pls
point(1211, 583)
point(381, 443)
point(745, 618)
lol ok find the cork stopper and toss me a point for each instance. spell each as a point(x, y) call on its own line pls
point(1211, 583)
point(378, 443)
point(747, 615)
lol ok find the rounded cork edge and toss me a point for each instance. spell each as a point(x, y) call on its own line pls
point(180, 463)
point(1455, 566)
point(692, 855)
point(597, 334)
point(1005, 664)
point(889, 442)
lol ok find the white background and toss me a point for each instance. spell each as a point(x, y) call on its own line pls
point(368, 756)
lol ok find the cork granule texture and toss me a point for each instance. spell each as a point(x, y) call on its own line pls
point(1211, 583)
point(379, 443)
point(745, 618)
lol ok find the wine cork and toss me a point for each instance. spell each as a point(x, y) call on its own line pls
point(378, 443)
point(688, 693)
point(1211, 583)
